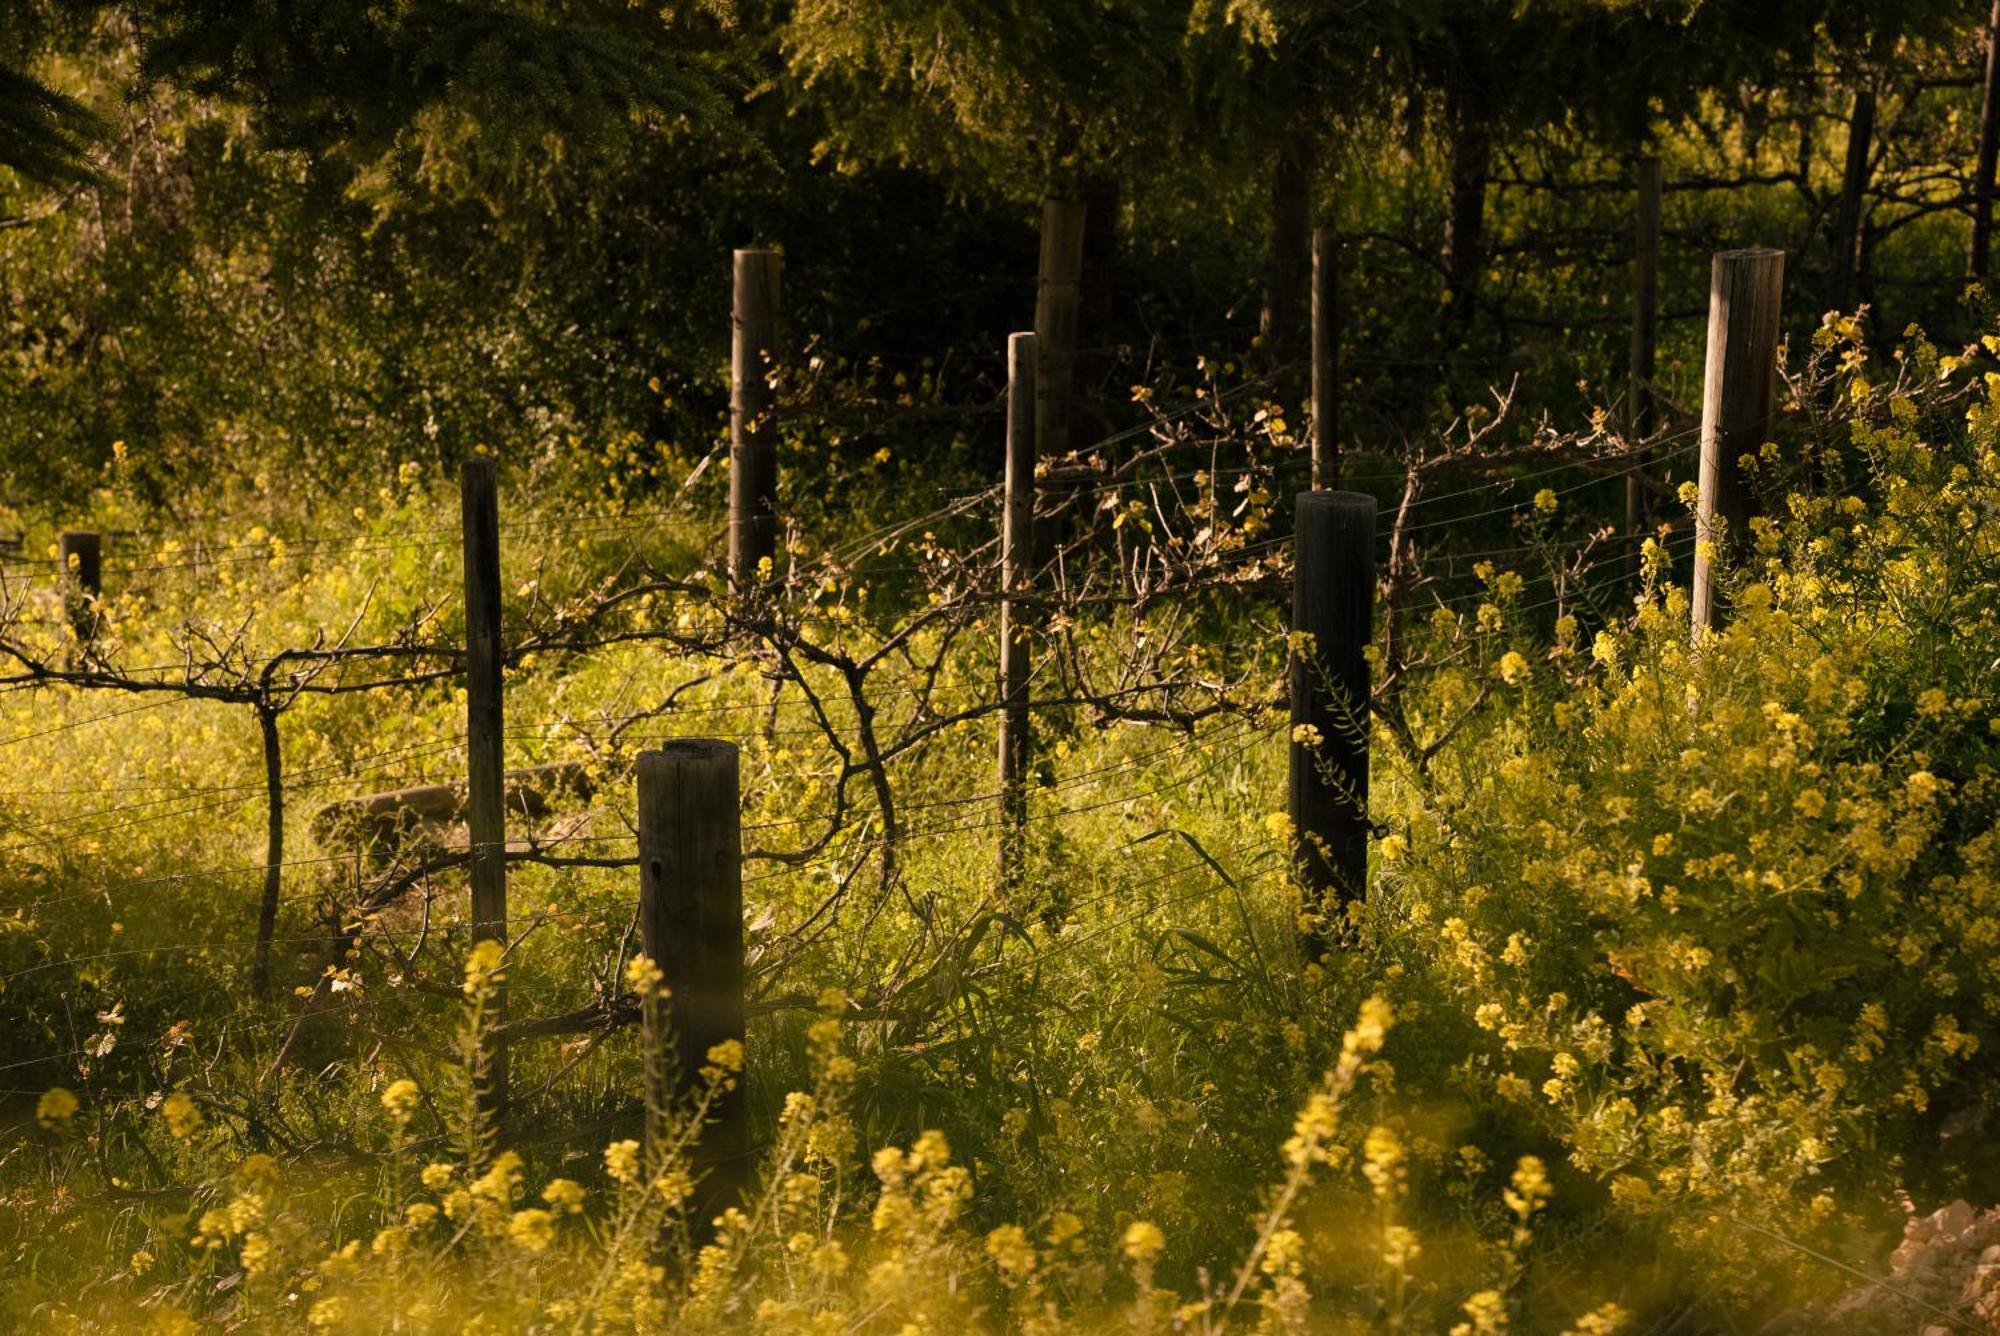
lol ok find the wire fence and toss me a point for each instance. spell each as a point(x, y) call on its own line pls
point(338, 901)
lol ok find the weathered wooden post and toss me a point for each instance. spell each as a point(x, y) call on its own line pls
point(753, 424)
point(1058, 294)
point(1325, 358)
point(485, 810)
point(1017, 548)
point(1746, 288)
point(80, 576)
point(1641, 404)
point(691, 922)
point(1333, 605)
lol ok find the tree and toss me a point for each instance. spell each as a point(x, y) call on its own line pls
point(46, 136)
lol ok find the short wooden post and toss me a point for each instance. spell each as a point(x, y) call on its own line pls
point(1746, 288)
point(753, 425)
point(1017, 540)
point(1333, 604)
point(485, 809)
point(1325, 358)
point(1058, 294)
point(1641, 404)
point(80, 576)
point(691, 922)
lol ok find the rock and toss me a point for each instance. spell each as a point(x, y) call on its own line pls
point(1954, 1219)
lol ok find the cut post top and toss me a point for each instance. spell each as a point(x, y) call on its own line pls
point(683, 751)
point(1337, 502)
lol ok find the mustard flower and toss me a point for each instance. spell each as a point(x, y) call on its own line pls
point(533, 1229)
point(1010, 1251)
point(401, 1099)
point(182, 1114)
point(564, 1195)
point(1143, 1242)
point(56, 1107)
point(621, 1160)
point(643, 977)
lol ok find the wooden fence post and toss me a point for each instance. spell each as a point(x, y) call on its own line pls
point(1641, 404)
point(1746, 288)
point(1058, 294)
point(691, 922)
point(1333, 605)
point(753, 421)
point(485, 811)
point(1017, 546)
point(1325, 358)
point(80, 576)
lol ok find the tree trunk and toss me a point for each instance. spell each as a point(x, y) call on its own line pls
point(1989, 149)
point(274, 845)
point(1094, 332)
point(1287, 262)
point(1465, 216)
point(1853, 185)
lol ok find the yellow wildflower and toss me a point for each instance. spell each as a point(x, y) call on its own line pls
point(534, 1229)
point(401, 1099)
point(1011, 1252)
point(564, 1195)
point(1144, 1242)
point(56, 1107)
point(621, 1160)
point(182, 1114)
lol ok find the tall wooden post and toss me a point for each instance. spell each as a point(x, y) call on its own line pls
point(1333, 605)
point(1017, 547)
point(1325, 358)
point(1058, 294)
point(80, 576)
point(485, 811)
point(691, 922)
point(753, 426)
point(1989, 152)
point(1745, 291)
point(1641, 404)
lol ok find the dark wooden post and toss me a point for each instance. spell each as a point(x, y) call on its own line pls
point(1058, 295)
point(1333, 605)
point(1325, 358)
point(691, 921)
point(485, 809)
point(1641, 405)
point(1017, 546)
point(1989, 152)
point(1745, 291)
point(753, 425)
point(80, 575)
